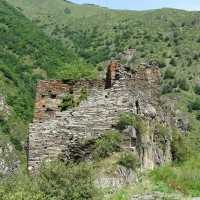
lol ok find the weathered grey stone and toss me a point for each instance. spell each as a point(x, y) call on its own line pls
point(157, 196)
point(4, 109)
point(8, 159)
point(122, 176)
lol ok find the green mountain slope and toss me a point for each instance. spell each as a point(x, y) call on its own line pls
point(26, 55)
point(168, 37)
point(40, 39)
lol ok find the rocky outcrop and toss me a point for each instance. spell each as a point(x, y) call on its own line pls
point(4, 109)
point(9, 161)
point(122, 176)
point(157, 196)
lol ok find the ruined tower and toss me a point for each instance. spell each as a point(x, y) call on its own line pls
point(55, 133)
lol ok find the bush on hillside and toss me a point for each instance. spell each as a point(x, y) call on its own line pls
point(173, 62)
point(179, 149)
point(77, 70)
point(129, 160)
point(129, 119)
point(67, 11)
point(67, 102)
point(197, 89)
point(55, 181)
point(194, 105)
point(168, 87)
point(198, 116)
point(74, 182)
point(183, 84)
point(169, 74)
point(126, 119)
point(107, 144)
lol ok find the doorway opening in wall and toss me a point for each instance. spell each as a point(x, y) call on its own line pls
point(108, 83)
point(137, 107)
point(53, 96)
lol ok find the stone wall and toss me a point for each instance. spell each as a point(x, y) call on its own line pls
point(68, 134)
point(50, 93)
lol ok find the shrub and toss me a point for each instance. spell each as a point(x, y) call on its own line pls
point(74, 182)
point(67, 11)
point(173, 62)
point(17, 143)
point(167, 88)
point(198, 116)
point(129, 160)
point(179, 149)
point(194, 105)
point(67, 102)
point(107, 144)
point(197, 89)
point(83, 94)
point(126, 119)
point(55, 181)
point(183, 84)
point(161, 64)
point(77, 70)
point(169, 74)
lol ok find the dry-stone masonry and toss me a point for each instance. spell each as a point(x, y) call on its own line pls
point(68, 134)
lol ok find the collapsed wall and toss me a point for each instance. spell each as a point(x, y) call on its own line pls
point(67, 134)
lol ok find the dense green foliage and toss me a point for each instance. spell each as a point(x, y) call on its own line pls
point(67, 102)
point(180, 150)
point(27, 55)
point(183, 178)
point(126, 119)
point(197, 89)
point(129, 119)
point(77, 70)
point(106, 145)
point(194, 105)
point(129, 160)
point(55, 181)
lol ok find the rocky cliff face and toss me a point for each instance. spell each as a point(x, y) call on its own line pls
point(8, 159)
point(4, 109)
point(68, 134)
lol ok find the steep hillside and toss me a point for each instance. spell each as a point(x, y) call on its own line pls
point(59, 39)
point(168, 37)
point(26, 55)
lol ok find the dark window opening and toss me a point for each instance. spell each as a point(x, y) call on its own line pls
point(42, 95)
point(53, 96)
point(49, 110)
point(71, 92)
point(137, 107)
point(66, 81)
point(133, 142)
point(108, 83)
point(43, 106)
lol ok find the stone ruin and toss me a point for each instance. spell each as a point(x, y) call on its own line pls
point(67, 134)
